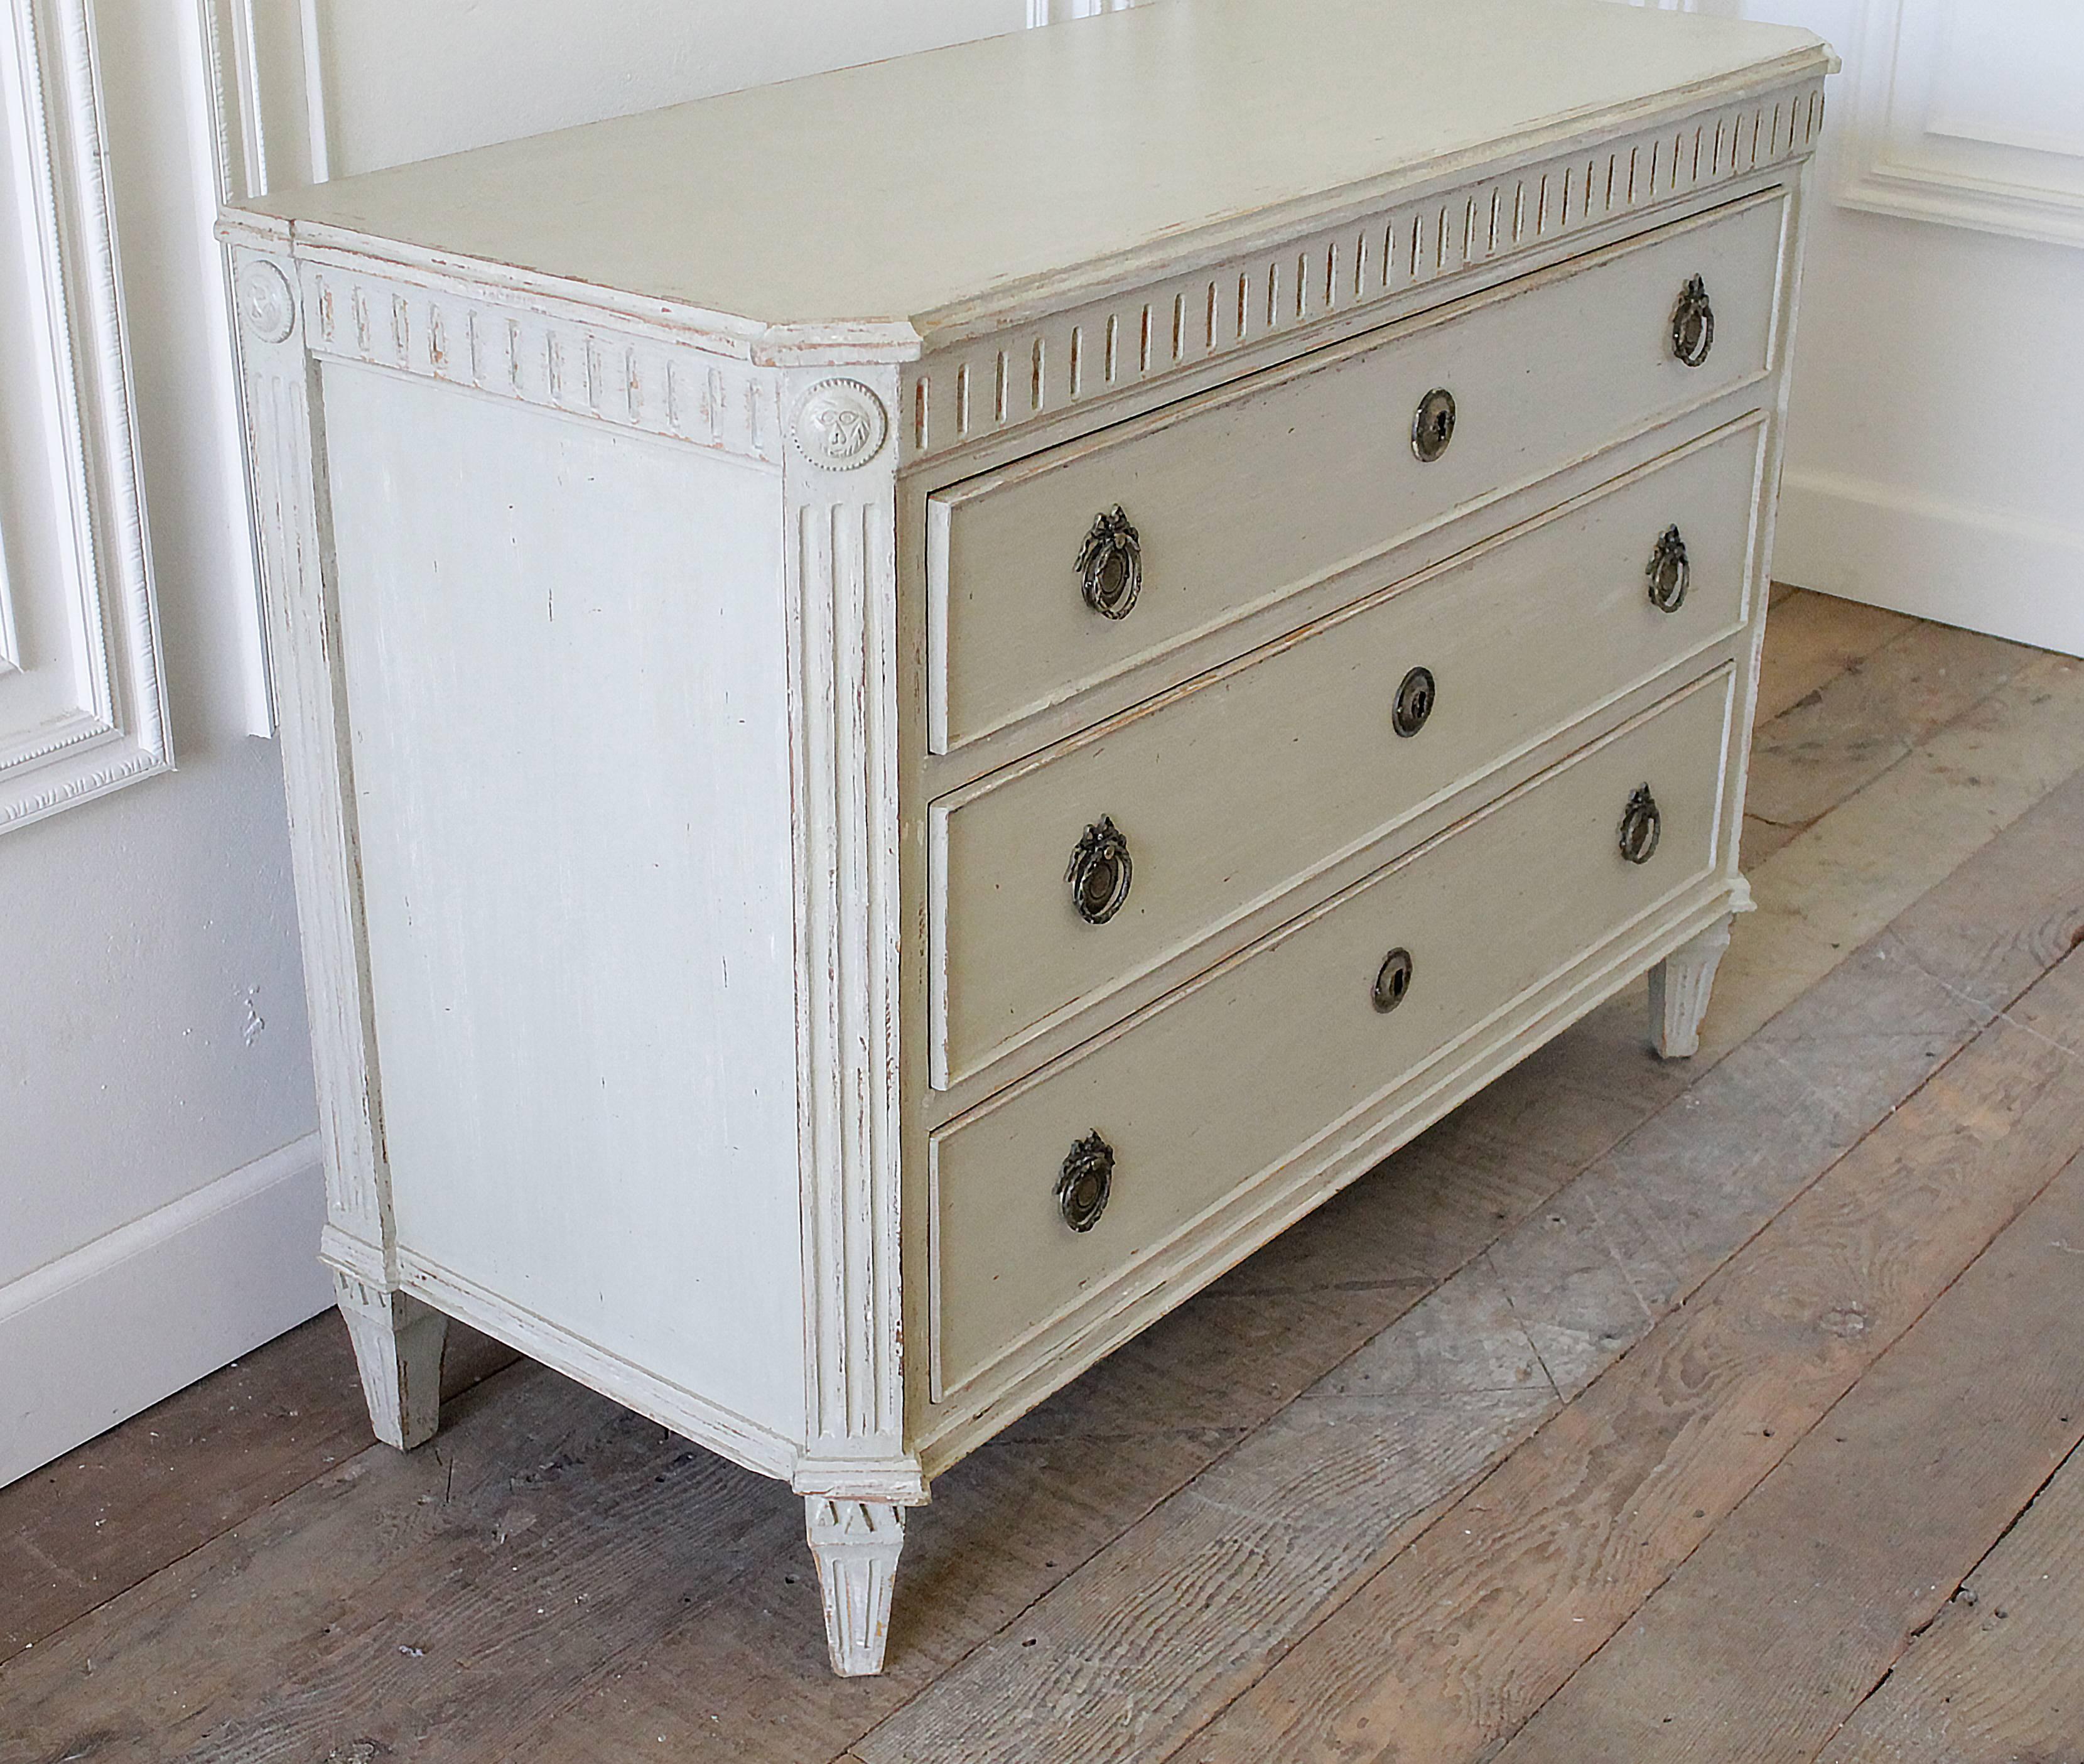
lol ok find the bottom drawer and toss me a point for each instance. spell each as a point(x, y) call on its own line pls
point(1241, 1071)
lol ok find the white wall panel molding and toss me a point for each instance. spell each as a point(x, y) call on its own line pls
point(92, 1338)
point(1969, 116)
point(1057, 11)
point(268, 88)
point(82, 707)
point(1984, 569)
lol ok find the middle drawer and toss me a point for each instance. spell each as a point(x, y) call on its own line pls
point(1058, 879)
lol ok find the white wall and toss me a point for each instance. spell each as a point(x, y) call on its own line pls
point(159, 1198)
point(1935, 457)
point(158, 1176)
point(379, 81)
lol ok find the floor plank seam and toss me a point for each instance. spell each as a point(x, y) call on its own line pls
point(1527, 1335)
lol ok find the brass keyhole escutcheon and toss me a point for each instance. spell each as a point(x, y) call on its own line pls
point(1642, 825)
point(1110, 565)
point(1100, 872)
point(1085, 1181)
point(1434, 426)
point(1670, 571)
point(1392, 981)
point(1693, 324)
point(1415, 699)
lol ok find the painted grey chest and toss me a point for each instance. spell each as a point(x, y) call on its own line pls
point(921, 705)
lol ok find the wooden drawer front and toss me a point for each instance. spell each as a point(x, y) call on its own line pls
point(1249, 781)
point(1244, 1069)
point(1247, 495)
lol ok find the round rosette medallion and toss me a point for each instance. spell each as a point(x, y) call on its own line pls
point(266, 301)
point(840, 424)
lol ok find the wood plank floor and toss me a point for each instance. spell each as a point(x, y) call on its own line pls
point(1725, 1409)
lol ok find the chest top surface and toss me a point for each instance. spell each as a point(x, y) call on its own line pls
point(880, 203)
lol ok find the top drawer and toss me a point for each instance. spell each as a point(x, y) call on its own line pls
point(1243, 496)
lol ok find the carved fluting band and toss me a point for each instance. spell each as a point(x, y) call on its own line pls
point(839, 424)
point(267, 302)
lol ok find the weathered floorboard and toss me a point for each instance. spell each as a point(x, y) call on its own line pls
point(1812, 755)
point(1824, 894)
point(1375, 1250)
point(2000, 1674)
point(1803, 1601)
point(105, 1515)
point(1457, 1643)
point(714, 1603)
point(1811, 639)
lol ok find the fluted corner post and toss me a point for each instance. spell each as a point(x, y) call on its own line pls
point(285, 442)
point(839, 479)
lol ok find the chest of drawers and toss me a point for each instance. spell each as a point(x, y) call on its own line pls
point(920, 705)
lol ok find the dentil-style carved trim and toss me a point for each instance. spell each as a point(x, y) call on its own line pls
point(996, 384)
point(841, 576)
point(554, 361)
point(116, 730)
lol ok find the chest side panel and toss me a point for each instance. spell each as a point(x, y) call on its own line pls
point(566, 667)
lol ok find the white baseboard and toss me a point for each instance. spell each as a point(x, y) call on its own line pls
point(1987, 570)
point(92, 1338)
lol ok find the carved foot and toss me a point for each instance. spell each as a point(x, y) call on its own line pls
point(1678, 989)
point(398, 1348)
point(857, 1545)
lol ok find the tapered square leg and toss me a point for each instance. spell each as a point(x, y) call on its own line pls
point(398, 1348)
point(857, 1544)
point(1678, 989)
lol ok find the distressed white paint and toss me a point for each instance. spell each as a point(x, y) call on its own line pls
point(605, 721)
point(605, 972)
point(654, 206)
point(1678, 989)
point(154, 1044)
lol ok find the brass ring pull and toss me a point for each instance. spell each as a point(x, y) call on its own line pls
point(1415, 699)
point(1085, 1181)
point(1111, 565)
point(1392, 981)
point(1100, 872)
point(1669, 572)
point(1693, 324)
point(1433, 426)
point(1642, 825)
